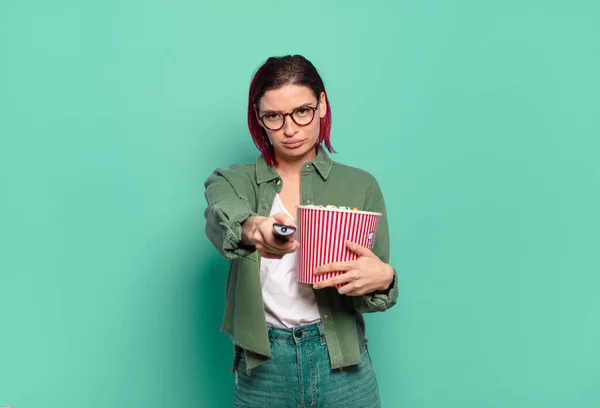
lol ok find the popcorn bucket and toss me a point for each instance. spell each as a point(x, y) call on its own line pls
point(322, 234)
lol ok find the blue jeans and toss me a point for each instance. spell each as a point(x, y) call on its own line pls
point(299, 375)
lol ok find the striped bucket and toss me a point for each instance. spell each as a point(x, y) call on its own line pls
point(322, 234)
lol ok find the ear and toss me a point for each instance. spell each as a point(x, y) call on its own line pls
point(322, 105)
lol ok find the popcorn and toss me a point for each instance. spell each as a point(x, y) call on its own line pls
point(333, 207)
point(323, 232)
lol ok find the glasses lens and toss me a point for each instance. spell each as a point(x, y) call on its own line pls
point(303, 116)
point(273, 121)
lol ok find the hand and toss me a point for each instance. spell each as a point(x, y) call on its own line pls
point(257, 231)
point(364, 275)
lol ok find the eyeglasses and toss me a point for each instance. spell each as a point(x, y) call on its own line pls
point(301, 116)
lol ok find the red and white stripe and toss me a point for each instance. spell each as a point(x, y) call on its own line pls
point(322, 234)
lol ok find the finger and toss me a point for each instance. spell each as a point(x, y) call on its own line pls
point(336, 280)
point(274, 242)
point(284, 219)
point(334, 267)
point(263, 248)
point(286, 247)
point(353, 293)
point(359, 250)
point(347, 288)
point(271, 255)
point(354, 288)
point(266, 253)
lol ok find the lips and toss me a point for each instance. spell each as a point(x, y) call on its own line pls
point(292, 144)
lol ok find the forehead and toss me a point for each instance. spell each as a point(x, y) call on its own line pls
point(286, 98)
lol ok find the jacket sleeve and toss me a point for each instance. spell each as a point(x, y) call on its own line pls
point(229, 194)
point(378, 302)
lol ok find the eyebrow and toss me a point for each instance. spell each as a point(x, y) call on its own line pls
point(265, 112)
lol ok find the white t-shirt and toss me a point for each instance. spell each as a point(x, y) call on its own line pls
point(288, 303)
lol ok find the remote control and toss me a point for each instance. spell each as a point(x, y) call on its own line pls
point(283, 232)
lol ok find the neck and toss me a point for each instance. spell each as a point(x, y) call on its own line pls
point(291, 166)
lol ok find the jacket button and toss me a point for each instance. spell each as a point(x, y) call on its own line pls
point(298, 333)
point(265, 206)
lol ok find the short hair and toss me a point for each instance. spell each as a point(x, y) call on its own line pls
point(275, 73)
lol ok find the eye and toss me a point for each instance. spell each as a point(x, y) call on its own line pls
point(271, 117)
point(303, 111)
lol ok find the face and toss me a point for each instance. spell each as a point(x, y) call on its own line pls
point(292, 142)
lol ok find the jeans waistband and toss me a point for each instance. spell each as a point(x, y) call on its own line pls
point(297, 334)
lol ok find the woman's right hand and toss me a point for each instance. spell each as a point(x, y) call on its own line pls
point(257, 231)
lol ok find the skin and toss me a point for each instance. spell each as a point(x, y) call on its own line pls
point(366, 274)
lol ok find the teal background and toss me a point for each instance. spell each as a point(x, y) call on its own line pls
point(480, 120)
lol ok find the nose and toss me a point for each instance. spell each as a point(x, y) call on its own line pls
point(289, 127)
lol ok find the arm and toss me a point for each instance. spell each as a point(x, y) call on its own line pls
point(376, 301)
point(369, 280)
point(226, 212)
point(231, 222)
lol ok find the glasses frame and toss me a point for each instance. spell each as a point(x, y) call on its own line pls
point(291, 115)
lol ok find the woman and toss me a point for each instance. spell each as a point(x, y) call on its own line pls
point(295, 345)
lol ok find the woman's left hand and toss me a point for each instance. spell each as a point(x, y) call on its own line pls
point(364, 275)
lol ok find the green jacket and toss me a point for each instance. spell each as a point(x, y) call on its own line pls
point(235, 193)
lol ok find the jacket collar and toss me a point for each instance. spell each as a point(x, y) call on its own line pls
point(322, 163)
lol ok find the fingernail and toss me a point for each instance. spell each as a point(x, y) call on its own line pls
point(316, 286)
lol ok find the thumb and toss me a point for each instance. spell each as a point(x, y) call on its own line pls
point(357, 249)
point(285, 219)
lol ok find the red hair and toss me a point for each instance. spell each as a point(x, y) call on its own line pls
point(273, 74)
